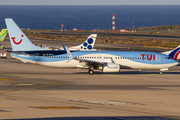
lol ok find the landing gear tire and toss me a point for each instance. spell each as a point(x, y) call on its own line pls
point(160, 72)
point(91, 72)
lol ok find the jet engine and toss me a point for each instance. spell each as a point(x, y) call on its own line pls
point(111, 67)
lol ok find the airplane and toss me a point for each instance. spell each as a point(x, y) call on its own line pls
point(3, 34)
point(106, 61)
point(88, 45)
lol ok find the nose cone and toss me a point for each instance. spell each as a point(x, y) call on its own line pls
point(174, 62)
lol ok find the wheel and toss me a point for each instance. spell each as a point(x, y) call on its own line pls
point(160, 72)
point(91, 72)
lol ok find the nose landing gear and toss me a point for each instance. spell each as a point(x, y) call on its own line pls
point(160, 72)
point(91, 72)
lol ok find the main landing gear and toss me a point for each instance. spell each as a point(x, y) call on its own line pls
point(91, 72)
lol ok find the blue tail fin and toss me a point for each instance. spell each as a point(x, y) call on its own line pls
point(18, 39)
point(87, 45)
point(175, 53)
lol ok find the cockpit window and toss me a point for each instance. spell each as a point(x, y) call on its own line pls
point(167, 58)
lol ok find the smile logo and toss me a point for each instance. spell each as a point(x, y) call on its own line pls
point(17, 43)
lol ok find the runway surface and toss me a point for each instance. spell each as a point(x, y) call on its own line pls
point(36, 92)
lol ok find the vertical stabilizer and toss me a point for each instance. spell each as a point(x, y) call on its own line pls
point(88, 45)
point(18, 39)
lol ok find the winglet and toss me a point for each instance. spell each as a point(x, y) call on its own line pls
point(70, 55)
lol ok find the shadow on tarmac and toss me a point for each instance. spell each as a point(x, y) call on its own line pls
point(129, 72)
point(97, 73)
point(99, 118)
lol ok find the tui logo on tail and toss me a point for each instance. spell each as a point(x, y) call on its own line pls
point(17, 43)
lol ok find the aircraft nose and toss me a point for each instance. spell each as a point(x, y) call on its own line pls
point(175, 62)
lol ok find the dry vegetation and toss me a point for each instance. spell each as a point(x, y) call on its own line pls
point(147, 42)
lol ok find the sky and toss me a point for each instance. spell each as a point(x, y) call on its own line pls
point(89, 2)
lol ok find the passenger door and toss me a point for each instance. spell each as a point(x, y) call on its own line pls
point(158, 58)
point(37, 57)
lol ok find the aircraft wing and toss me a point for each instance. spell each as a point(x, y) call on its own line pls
point(88, 63)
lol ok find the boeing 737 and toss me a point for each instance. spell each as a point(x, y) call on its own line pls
point(106, 61)
point(3, 34)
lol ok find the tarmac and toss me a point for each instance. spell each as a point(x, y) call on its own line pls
point(33, 92)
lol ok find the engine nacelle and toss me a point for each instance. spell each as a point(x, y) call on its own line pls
point(111, 67)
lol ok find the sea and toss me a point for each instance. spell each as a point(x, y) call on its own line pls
point(89, 17)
